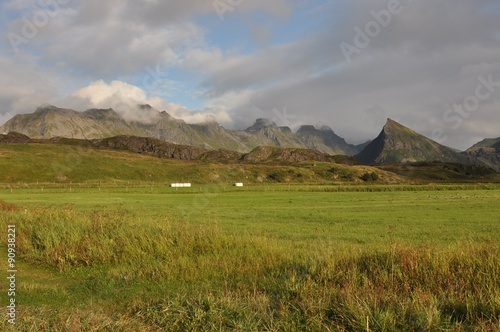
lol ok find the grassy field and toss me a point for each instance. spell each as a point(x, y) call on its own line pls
point(66, 164)
point(145, 257)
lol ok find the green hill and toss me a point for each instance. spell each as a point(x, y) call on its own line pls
point(60, 163)
point(134, 159)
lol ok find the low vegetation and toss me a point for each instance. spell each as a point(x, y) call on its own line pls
point(64, 164)
point(67, 164)
point(283, 259)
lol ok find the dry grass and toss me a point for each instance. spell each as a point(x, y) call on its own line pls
point(134, 274)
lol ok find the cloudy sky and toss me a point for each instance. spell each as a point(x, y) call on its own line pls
point(433, 65)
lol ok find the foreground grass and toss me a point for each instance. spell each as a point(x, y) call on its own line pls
point(276, 261)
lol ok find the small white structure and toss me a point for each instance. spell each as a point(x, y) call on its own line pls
point(180, 185)
point(238, 184)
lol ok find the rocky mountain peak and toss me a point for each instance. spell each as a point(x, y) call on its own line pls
point(392, 126)
point(261, 123)
point(306, 129)
point(50, 121)
point(399, 144)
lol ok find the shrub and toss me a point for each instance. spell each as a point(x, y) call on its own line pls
point(369, 177)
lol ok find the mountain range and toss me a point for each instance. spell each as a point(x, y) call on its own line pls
point(168, 136)
point(50, 121)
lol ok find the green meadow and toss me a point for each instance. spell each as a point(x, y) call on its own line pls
point(145, 257)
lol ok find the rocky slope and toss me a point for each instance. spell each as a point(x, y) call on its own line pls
point(488, 152)
point(399, 144)
point(324, 139)
point(161, 149)
point(162, 134)
point(13, 138)
point(50, 121)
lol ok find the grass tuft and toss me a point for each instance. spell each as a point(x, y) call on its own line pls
point(131, 272)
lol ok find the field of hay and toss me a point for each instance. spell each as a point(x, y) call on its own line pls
point(257, 258)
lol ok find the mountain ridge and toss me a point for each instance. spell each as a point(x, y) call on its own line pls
point(25, 159)
point(399, 144)
point(395, 144)
point(161, 149)
point(50, 121)
point(487, 151)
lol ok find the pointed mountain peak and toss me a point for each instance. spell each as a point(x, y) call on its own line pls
point(399, 131)
point(325, 128)
point(262, 123)
point(166, 115)
point(394, 124)
point(399, 144)
point(306, 129)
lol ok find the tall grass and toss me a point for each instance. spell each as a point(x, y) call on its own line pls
point(157, 274)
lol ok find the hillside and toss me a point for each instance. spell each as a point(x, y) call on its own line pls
point(65, 163)
point(323, 139)
point(161, 149)
point(399, 144)
point(13, 137)
point(164, 136)
point(487, 151)
point(49, 121)
point(132, 159)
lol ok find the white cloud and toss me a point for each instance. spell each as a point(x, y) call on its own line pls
point(114, 38)
point(125, 98)
point(428, 58)
point(25, 86)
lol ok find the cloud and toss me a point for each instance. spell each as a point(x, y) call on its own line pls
point(428, 58)
point(112, 39)
point(25, 86)
point(125, 98)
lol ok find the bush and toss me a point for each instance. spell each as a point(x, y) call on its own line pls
point(369, 177)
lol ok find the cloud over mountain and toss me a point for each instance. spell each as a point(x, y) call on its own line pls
point(124, 98)
point(261, 56)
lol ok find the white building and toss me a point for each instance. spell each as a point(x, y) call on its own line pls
point(180, 185)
